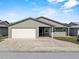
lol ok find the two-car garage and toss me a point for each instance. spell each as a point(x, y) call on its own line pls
point(24, 33)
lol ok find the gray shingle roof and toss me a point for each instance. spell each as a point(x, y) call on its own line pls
point(4, 23)
point(74, 24)
point(77, 26)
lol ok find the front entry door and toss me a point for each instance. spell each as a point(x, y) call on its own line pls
point(44, 31)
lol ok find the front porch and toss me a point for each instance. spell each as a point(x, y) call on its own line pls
point(45, 31)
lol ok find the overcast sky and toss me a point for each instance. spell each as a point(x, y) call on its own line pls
point(60, 10)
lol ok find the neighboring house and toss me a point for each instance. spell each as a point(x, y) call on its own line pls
point(34, 28)
point(74, 28)
point(4, 28)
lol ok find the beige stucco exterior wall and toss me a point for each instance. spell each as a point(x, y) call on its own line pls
point(27, 24)
point(59, 34)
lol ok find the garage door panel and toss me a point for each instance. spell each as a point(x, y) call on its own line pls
point(23, 33)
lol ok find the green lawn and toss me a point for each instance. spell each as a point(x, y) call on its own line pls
point(69, 39)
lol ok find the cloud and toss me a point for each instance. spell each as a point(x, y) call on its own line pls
point(48, 12)
point(71, 3)
point(67, 11)
point(51, 1)
point(68, 4)
point(11, 14)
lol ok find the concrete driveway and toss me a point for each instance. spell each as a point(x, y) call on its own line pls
point(40, 44)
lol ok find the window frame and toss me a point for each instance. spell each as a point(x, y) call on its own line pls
point(59, 29)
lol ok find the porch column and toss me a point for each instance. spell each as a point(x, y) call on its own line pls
point(52, 32)
point(68, 31)
point(37, 32)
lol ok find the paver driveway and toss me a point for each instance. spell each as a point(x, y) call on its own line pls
point(40, 44)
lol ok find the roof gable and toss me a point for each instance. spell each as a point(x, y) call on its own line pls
point(74, 24)
point(4, 23)
point(28, 19)
point(50, 21)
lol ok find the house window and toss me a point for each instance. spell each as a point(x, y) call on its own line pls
point(59, 29)
point(46, 29)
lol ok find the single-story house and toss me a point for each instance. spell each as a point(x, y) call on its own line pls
point(38, 27)
point(74, 28)
point(4, 28)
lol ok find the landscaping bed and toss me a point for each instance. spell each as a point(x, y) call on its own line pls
point(68, 38)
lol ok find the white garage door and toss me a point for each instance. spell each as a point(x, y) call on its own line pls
point(24, 33)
